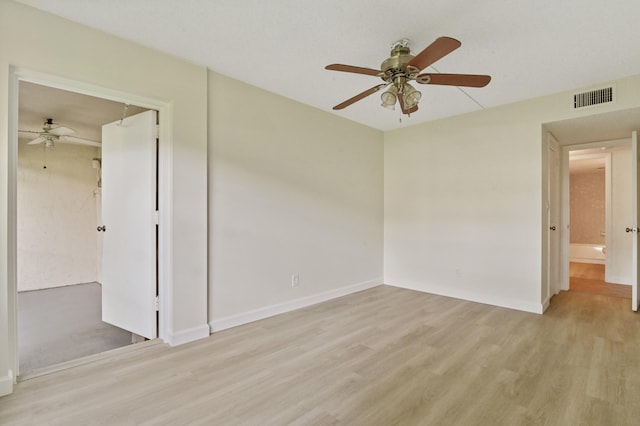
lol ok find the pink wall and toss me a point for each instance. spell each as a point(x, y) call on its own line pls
point(587, 206)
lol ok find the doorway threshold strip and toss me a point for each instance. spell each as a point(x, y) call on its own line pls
point(87, 359)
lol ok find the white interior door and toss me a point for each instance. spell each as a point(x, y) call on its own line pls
point(634, 226)
point(553, 192)
point(128, 215)
point(620, 216)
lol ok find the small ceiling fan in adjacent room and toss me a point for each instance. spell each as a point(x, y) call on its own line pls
point(402, 67)
point(52, 133)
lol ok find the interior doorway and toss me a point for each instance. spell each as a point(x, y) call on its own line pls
point(604, 134)
point(59, 186)
point(600, 254)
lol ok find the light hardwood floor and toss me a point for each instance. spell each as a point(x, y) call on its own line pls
point(379, 357)
point(589, 278)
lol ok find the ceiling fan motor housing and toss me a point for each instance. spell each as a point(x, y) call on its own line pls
point(396, 63)
point(395, 68)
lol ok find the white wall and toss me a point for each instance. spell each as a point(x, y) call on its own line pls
point(462, 210)
point(463, 201)
point(64, 50)
point(293, 190)
point(57, 237)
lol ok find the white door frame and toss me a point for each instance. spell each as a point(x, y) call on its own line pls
point(564, 195)
point(165, 149)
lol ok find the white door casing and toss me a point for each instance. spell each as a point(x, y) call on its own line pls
point(128, 215)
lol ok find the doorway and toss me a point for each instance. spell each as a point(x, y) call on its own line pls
point(59, 189)
point(599, 202)
point(598, 132)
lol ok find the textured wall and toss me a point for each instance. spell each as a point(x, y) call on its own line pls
point(587, 207)
point(57, 241)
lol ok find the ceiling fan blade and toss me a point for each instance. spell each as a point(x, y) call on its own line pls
point(468, 80)
point(61, 131)
point(350, 68)
point(79, 141)
point(440, 48)
point(359, 96)
point(36, 141)
point(402, 107)
point(30, 131)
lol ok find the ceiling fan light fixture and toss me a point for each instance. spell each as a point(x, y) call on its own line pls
point(389, 98)
point(411, 96)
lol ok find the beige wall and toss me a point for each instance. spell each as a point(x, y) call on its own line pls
point(464, 215)
point(62, 50)
point(293, 190)
point(587, 207)
point(57, 217)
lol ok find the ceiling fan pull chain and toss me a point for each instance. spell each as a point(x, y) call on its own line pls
point(44, 155)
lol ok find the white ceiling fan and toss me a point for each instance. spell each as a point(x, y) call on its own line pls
point(52, 133)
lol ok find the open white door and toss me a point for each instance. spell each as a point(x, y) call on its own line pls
point(129, 220)
point(553, 211)
point(634, 226)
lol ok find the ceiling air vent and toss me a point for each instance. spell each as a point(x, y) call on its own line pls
point(594, 97)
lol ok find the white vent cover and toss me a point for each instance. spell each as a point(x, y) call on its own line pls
point(600, 96)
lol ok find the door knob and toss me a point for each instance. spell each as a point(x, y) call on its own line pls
point(553, 228)
point(102, 228)
point(630, 229)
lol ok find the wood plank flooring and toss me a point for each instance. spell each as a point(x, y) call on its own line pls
point(385, 356)
point(589, 278)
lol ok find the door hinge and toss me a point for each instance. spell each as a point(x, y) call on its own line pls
point(156, 304)
point(156, 131)
point(156, 217)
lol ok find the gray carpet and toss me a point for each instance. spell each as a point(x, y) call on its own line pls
point(62, 324)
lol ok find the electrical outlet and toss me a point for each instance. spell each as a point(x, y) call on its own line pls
point(295, 280)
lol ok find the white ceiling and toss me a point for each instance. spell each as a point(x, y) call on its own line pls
point(592, 160)
point(529, 47)
point(82, 113)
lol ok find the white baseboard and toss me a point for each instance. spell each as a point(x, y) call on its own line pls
point(185, 336)
point(6, 384)
point(546, 304)
point(615, 279)
point(519, 305)
point(269, 311)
